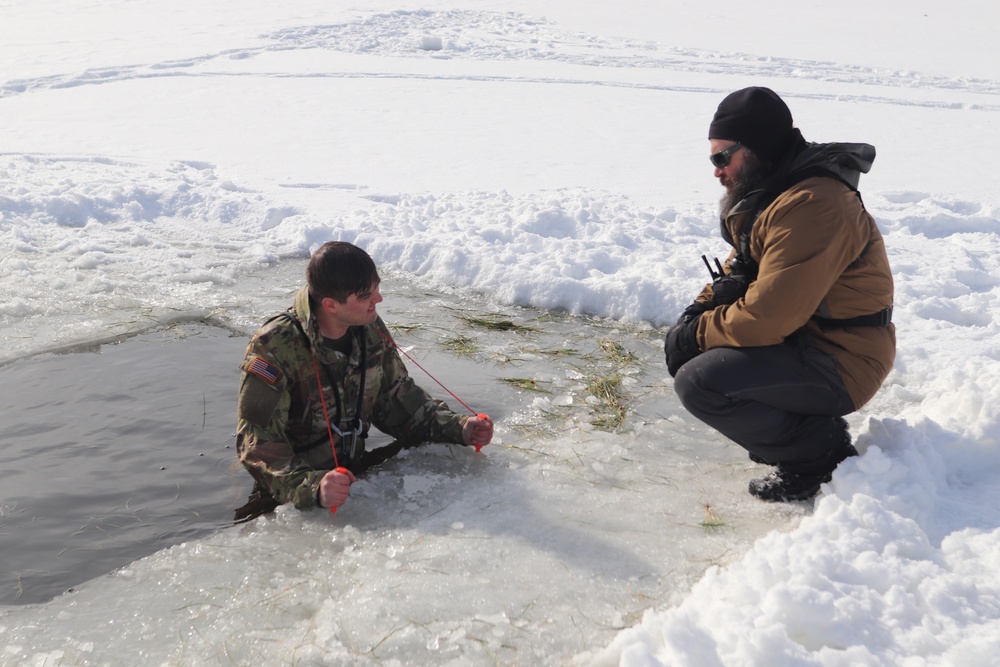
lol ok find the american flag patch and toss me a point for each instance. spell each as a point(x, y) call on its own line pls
point(265, 371)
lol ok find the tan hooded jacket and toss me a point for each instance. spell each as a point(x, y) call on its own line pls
point(819, 253)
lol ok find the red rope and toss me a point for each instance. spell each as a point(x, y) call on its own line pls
point(329, 431)
point(326, 416)
point(401, 350)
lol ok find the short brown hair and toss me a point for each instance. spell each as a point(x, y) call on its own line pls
point(339, 269)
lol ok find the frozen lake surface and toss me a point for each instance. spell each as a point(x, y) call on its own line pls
point(547, 543)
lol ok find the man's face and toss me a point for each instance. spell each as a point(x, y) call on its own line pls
point(727, 174)
point(358, 309)
point(742, 175)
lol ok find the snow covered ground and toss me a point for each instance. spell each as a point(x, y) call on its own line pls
point(164, 159)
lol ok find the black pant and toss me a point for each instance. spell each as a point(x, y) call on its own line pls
point(783, 403)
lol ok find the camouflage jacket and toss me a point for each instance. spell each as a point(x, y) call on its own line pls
point(282, 436)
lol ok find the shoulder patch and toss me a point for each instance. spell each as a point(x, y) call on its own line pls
point(257, 401)
point(266, 371)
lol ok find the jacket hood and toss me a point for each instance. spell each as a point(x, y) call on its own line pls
point(844, 161)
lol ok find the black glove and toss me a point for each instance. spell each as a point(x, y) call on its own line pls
point(694, 311)
point(729, 288)
point(681, 345)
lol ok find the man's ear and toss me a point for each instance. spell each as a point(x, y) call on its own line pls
point(329, 305)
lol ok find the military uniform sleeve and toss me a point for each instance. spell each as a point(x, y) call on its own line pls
point(263, 447)
point(406, 411)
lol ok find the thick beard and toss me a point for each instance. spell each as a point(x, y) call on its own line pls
point(748, 179)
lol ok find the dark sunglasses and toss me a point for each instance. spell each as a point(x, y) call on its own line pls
point(722, 158)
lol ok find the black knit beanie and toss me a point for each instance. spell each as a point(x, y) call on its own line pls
point(757, 118)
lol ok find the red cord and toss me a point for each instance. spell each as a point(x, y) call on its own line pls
point(326, 416)
point(329, 431)
point(393, 343)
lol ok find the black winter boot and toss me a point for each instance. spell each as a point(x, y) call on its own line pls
point(784, 484)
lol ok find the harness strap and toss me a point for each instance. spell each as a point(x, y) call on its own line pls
point(357, 422)
point(299, 449)
point(883, 318)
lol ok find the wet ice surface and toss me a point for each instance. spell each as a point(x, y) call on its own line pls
point(541, 547)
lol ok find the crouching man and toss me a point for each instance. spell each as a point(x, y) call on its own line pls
point(795, 331)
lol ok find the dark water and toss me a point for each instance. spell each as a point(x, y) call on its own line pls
point(110, 455)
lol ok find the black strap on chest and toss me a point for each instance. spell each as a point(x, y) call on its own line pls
point(759, 200)
point(356, 423)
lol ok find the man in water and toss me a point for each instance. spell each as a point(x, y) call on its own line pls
point(317, 376)
point(795, 331)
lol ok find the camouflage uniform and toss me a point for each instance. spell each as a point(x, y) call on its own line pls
point(282, 437)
